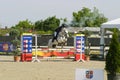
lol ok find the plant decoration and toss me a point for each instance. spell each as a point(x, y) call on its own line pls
point(113, 57)
point(87, 44)
point(16, 44)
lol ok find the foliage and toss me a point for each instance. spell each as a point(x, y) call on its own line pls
point(87, 33)
point(113, 57)
point(63, 20)
point(14, 32)
point(24, 26)
point(16, 44)
point(49, 24)
point(44, 32)
point(4, 32)
point(87, 18)
point(16, 52)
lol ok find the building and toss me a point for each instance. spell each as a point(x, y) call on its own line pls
point(95, 31)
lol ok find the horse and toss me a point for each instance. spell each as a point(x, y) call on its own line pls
point(61, 39)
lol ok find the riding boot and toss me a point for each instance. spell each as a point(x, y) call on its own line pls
point(54, 38)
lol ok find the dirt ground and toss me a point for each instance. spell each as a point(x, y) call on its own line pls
point(44, 70)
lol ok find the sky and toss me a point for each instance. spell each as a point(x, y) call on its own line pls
point(13, 11)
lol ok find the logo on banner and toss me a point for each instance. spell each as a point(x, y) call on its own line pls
point(78, 46)
point(89, 74)
point(78, 50)
point(5, 47)
point(78, 41)
point(25, 41)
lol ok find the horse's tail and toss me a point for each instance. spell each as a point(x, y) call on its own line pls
point(50, 43)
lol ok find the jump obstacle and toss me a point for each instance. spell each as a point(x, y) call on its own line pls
point(77, 52)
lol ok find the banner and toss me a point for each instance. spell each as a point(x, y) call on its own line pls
point(89, 74)
point(26, 43)
point(79, 43)
point(6, 47)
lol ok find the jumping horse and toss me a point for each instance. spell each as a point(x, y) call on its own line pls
point(61, 39)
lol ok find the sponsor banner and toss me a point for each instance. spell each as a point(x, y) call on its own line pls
point(6, 47)
point(80, 43)
point(89, 74)
point(26, 43)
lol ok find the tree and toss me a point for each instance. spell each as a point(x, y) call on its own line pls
point(113, 57)
point(49, 24)
point(39, 25)
point(4, 32)
point(63, 20)
point(15, 33)
point(24, 26)
point(87, 18)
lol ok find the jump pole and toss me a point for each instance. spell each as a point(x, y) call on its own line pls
point(35, 59)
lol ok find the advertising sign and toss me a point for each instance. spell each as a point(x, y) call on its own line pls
point(89, 74)
point(79, 43)
point(27, 43)
point(6, 47)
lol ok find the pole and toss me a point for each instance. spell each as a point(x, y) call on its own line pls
point(36, 59)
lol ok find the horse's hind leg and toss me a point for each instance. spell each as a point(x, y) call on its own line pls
point(50, 43)
point(53, 46)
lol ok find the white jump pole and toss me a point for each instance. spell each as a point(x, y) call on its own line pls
point(36, 59)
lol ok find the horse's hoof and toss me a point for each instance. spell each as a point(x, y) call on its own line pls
point(65, 43)
point(54, 46)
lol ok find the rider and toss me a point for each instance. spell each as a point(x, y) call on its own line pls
point(57, 31)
